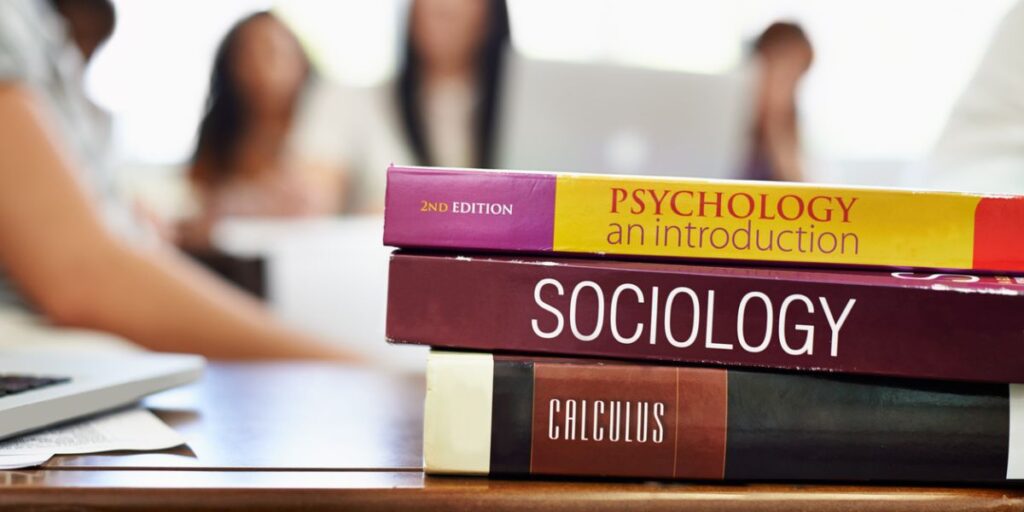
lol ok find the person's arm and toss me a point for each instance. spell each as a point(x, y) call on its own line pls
point(54, 245)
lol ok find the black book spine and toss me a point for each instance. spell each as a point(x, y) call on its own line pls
point(548, 416)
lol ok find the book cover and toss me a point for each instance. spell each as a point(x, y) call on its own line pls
point(515, 416)
point(920, 324)
point(703, 219)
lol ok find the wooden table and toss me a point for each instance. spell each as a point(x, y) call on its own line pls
point(322, 437)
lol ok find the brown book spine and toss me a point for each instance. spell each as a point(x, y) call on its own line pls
point(652, 425)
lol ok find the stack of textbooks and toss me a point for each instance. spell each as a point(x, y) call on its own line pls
point(669, 328)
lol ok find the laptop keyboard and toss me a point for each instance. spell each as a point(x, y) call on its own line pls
point(14, 384)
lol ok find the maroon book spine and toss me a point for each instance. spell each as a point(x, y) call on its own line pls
point(908, 324)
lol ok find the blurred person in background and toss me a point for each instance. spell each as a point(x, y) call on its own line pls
point(981, 148)
point(89, 23)
point(441, 109)
point(448, 85)
point(244, 163)
point(783, 54)
point(64, 254)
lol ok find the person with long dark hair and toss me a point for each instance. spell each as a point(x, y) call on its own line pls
point(784, 54)
point(90, 23)
point(243, 162)
point(448, 86)
point(440, 109)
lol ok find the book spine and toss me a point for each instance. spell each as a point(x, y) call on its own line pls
point(518, 416)
point(704, 219)
point(871, 323)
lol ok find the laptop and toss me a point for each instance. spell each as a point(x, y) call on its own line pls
point(40, 389)
point(603, 118)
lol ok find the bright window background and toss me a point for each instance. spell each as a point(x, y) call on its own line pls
point(885, 76)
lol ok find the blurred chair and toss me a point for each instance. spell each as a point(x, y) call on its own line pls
point(247, 273)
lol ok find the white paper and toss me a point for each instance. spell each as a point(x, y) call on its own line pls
point(133, 429)
point(23, 461)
